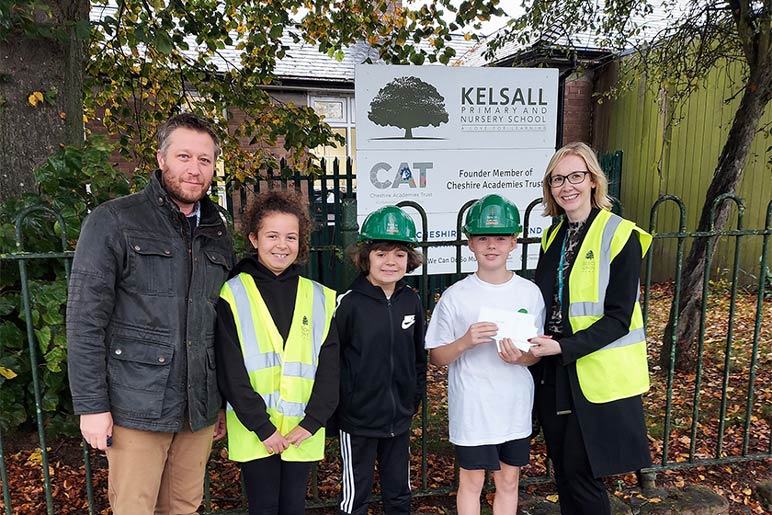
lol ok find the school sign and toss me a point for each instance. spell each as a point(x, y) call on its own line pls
point(442, 136)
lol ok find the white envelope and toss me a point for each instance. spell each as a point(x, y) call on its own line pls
point(518, 327)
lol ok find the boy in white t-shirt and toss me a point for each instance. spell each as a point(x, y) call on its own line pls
point(490, 391)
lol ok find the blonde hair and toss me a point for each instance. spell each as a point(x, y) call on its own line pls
point(600, 198)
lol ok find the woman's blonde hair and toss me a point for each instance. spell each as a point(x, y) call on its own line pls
point(600, 198)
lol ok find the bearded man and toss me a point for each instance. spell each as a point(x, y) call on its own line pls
point(145, 280)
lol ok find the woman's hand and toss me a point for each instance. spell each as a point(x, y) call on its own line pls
point(276, 443)
point(511, 354)
point(544, 346)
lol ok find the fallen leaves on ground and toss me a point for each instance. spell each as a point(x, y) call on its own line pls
point(690, 438)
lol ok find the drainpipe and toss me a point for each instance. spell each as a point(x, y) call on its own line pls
point(561, 93)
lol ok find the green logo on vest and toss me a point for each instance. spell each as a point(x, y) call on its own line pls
point(522, 310)
point(305, 320)
point(589, 255)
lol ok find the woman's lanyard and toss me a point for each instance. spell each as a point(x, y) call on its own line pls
point(561, 271)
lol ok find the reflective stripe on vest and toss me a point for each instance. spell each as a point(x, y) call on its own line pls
point(282, 373)
point(619, 369)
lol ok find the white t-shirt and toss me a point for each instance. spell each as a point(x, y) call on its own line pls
point(489, 400)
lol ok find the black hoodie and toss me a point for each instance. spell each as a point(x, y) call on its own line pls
point(278, 292)
point(382, 359)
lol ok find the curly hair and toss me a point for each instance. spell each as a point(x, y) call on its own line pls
point(360, 254)
point(281, 201)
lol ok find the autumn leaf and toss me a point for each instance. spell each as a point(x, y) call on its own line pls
point(35, 98)
point(36, 456)
point(7, 373)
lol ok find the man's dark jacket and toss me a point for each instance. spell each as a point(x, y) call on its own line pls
point(141, 312)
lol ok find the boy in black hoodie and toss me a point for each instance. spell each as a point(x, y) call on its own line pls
point(380, 323)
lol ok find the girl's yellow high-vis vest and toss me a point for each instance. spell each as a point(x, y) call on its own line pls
point(620, 369)
point(282, 373)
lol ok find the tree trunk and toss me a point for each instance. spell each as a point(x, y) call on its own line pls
point(409, 133)
point(75, 64)
point(30, 134)
point(758, 92)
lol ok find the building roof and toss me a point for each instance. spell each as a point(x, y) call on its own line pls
point(555, 36)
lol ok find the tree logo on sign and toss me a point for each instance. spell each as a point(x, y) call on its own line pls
point(407, 103)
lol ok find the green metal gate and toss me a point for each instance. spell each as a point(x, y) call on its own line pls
point(337, 220)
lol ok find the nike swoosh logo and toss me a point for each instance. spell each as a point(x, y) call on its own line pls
point(408, 321)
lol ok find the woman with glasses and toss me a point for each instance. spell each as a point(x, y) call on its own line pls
point(593, 366)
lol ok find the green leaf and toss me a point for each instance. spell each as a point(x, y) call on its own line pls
point(12, 411)
point(52, 317)
point(43, 336)
point(55, 358)
point(163, 43)
point(417, 59)
point(53, 380)
point(11, 336)
point(83, 30)
point(8, 303)
point(50, 400)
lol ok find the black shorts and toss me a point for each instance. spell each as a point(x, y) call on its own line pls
point(488, 457)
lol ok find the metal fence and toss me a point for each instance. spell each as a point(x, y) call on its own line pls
point(735, 364)
point(333, 205)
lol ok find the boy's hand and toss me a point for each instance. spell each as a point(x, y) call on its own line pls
point(297, 436)
point(276, 443)
point(544, 346)
point(511, 354)
point(480, 332)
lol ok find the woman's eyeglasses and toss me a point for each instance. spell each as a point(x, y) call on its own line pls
point(556, 181)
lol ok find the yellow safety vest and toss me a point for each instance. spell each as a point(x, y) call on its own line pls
point(282, 373)
point(620, 369)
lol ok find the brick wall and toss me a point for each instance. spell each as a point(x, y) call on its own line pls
point(577, 108)
point(95, 126)
point(236, 118)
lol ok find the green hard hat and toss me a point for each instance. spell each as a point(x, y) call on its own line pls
point(492, 214)
point(388, 223)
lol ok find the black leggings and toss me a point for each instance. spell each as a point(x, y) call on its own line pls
point(579, 491)
point(276, 487)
